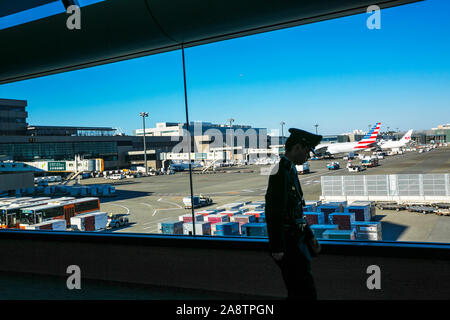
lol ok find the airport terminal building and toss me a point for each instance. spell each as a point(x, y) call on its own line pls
point(23, 143)
point(13, 117)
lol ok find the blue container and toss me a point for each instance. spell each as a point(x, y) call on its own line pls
point(254, 229)
point(227, 229)
point(172, 227)
point(309, 208)
point(319, 229)
point(262, 217)
point(327, 210)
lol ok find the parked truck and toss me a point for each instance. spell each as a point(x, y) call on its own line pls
point(199, 201)
point(369, 162)
point(303, 168)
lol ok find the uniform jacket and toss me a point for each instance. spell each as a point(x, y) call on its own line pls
point(280, 203)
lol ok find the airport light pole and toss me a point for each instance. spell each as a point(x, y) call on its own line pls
point(144, 115)
point(282, 131)
point(231, 120)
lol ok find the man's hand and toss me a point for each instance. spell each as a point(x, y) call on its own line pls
point(277, 255)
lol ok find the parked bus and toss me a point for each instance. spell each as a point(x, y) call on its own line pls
point(64, 210)
point(9, 213)
point(29, 200)
point(6, 201)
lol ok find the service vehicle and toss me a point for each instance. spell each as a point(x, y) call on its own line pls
point(64, 209)
point(333, 165)
point(422, 209)
point(117, 176)
point(443, 212)
point(369, 162)
point(441, 205)
point(117, 220)
point(303, 168)
point(199, 201)
point(391, 206)
point(354, 168)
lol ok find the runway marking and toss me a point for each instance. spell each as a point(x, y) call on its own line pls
point(178, 207)
point(153, 227)
point(146, 204)
point(176, 204)
point(118, 205)
point(158, 220)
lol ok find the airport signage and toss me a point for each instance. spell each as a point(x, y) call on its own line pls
point(201, 156)
point(56, 166)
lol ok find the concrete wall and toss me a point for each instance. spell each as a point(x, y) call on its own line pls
point(408, 271)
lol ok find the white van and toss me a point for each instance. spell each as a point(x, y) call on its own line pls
point(117, 176)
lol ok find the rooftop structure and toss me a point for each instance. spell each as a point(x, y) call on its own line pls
point(70, 131)
point(13, 117)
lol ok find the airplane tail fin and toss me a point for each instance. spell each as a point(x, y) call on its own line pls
point(407, 136)
point(370, 138)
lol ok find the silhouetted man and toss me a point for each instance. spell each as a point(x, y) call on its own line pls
point(291, 241)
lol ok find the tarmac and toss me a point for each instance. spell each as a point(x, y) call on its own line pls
point(154, 199)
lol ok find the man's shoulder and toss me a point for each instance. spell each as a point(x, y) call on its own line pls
point(284, 164)
point(281, 167)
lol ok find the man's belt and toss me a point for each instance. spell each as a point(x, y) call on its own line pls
point(297, 224)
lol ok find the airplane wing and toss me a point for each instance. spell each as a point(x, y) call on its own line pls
point(321, 150)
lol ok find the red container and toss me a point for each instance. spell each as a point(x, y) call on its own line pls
point(188, 218)
point(217, 218)
point(343, 220)
point(242, 219)
point(254, 213)
point(46, 227)
point(229, 214)
point(89, 223)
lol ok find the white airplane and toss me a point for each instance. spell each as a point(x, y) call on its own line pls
point(396, 144)
point(344, 147)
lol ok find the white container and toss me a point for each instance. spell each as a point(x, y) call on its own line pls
point(54, 225)
point(89, 221)
point(201, 228)
point(208, 211)
point(231, 206)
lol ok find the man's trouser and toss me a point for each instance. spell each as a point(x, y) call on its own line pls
point(296, 270)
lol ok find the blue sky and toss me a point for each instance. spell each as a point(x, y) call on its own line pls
point(336, 73)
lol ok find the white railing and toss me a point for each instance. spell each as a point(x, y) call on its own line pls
point(393, 187)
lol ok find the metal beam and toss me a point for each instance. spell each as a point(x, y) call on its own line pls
point(116, 30)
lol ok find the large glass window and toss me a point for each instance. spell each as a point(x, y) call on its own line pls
point(339, 79)
point(362, 89)
point(69, 163)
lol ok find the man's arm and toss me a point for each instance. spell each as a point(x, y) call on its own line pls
point(276, 206)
